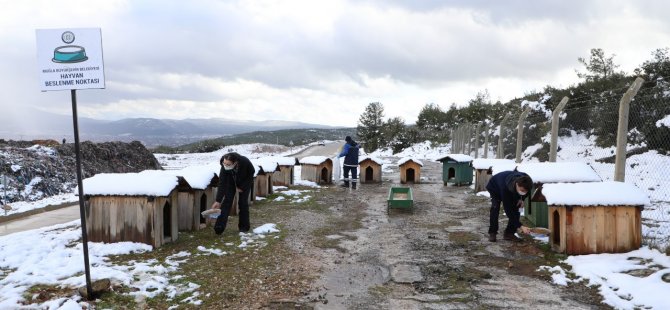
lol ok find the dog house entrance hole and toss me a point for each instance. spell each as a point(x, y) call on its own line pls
point(410, 175)
point(167, 221)
point(368, 174)
point(203, 207)
point(451, 173)
point(324, 175)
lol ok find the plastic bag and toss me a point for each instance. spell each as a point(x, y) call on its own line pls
point(337, 169)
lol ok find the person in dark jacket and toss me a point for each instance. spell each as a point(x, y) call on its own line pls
point(350, 154)
point(510, 188)
point(236, 176)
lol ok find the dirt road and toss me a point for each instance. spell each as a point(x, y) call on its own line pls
point(436, 257)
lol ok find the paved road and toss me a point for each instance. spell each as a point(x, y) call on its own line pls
point(328, 150)
point(39, 220)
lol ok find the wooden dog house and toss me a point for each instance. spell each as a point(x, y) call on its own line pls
point(593, 218)
point(549, 172)
point(318, 169)
point(190, 203)
point(484, 170)
point(370, 170)
point(263, 181)
point(456, 169)
point(136, 207)
point(410, 170)
point(284, 174)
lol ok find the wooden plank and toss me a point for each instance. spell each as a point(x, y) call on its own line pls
point(119, 221)
point(609, 228)
point(625, 230)
point(590, 230)
point(112, 222)
point(175, 225)
point(105, 223)
point(184, 217)
point(637, 233)
point(599, 227)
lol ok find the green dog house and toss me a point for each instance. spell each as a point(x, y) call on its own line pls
point(457, 169)
point(536, 210)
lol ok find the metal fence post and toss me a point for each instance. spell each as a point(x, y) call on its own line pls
point(519, 134)
point(501, 149)
point(477, 130)
point(622, 131)
point(486, 140)
point(468, 135)
point(553, 148)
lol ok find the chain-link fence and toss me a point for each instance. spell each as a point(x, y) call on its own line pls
point(588, 133)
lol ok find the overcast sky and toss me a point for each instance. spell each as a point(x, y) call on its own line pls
point(320, 61)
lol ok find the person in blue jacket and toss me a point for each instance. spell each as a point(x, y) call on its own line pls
point(510, 188)
point(350, 154)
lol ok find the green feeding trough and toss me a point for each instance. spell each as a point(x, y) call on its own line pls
point(457, 169)
point(401, 198)
point(536, 209)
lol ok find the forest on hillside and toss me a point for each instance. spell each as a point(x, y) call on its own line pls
point(592, 109)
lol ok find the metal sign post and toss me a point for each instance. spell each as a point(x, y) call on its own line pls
point(80, 186)
point(71, 59)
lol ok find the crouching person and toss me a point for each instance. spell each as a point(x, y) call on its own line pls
point(236, 176)
point(510, 188)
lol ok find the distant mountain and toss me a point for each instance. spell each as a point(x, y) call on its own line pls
point(151, 131)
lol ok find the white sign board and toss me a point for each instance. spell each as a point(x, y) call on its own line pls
point(70, 59)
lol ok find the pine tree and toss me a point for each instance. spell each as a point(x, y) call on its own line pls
point(598, 66)
point(370, 125)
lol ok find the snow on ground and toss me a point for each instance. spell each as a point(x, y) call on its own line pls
point(53, 256)
point(423, 150)
point(621, 285)
point(663, 122)
point(646, 171)
point(291, 195)
point(638, 279)
point(252, 151)
point(24, 206)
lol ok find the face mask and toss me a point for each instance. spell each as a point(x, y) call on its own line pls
point(521, 194)
point(226, 167)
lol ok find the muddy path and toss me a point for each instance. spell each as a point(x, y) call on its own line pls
point(437, 256)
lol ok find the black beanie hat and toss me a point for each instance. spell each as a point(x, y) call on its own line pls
point(348, 139)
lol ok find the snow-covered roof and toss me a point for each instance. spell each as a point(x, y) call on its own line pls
point(406, 159)
point(314, 160)
point(594, 194)
point(486, 163)
point(503, 167)
point(560, 172)
point(377, 160)
point(280, 160)
point(267, 164)
point(199, 177)
point(460, 158)
point(145, 183)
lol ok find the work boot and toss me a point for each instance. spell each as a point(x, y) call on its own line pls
point(492, 237)
point(511, 237)
point(353, 185)
point(346, 184)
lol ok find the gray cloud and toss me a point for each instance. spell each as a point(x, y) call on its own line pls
point(152, 47)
